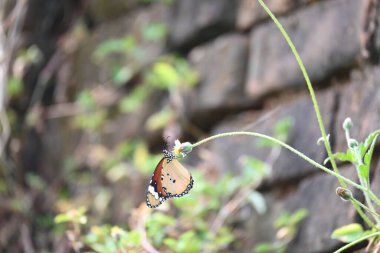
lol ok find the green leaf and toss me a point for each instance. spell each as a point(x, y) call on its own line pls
point(282, 221)
point(298, 216)
point(344, 157)
point(133, 239)
point(263, 248)
point(275, 247)
point(368, 155)
point(35, 181)
point(159, 120)
point(121, 45)
point(362, 149)
point(364, 172)
point(122, 75)
point(287, 219)
point(92, 120)
point(75, 216)
point(14, 87)
point(31, 55)
point(170, 242)
point(255, 170)
point(257, 201)
point(155, 32)
point(370, 139)
point(166, 74)
point(133, 101)
point(282, 128)
point(348, 233)
point(85, 100)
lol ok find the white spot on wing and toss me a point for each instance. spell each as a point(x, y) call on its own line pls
point(153, 192)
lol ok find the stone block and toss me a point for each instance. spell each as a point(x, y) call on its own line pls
point(326, 36)
point(197, 21)
point(88, 71)
point(250, 11)
point(221, 65)
point(303, 136)
point(359, 100)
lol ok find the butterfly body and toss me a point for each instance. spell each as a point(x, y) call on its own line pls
point(170, 179)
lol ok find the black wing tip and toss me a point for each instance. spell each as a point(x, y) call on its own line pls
point(186, 191)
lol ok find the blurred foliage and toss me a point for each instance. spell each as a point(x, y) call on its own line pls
point(189, 229)
point(281, 132)
point(197, 222)
point(286, 226)
point(124, 57)
point(168, 2)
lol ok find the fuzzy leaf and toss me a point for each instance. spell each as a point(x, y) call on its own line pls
point(368, 155)
point(370, 139)
point(364, 172)
point(344, 157)
point(258, 202)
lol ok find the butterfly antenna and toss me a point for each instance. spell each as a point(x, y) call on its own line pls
point(167, 143)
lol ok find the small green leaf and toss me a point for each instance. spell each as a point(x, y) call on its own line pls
point(263, 248)
point(35, 181)
point(170, 242)
point(85, 100)
point(370, 139)
point(348, 233)
point(60, 218)
point(120, 45)
point(282, 128)
point(258, 202)
point(166, 75)
point(275, 247)
point(364, 172)
point(133, 101)
point(344, 157)
point(155, 32)
point(298, 216)
point(282, 221)
point(159, 120)
point(368, 155)
point(122, 75)
point(362, 149)
point(14, 87)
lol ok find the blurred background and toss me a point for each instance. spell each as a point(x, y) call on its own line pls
point(93, 91)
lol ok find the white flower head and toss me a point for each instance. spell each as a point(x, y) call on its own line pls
point(180, 150)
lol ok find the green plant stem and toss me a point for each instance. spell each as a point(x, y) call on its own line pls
point(373, 197)
point(362, 214)
point(370, 193)
point(367, 197)
point(311, 91)
point(295, 151)
point(356, 242)
point(363, 181)
point(365, 207)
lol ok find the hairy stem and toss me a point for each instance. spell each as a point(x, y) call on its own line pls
point(311, 90)
point(295, 151)
point(362, 214)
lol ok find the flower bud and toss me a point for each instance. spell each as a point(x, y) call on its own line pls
point(180, 150)
point(347, 124)
point(344, 193)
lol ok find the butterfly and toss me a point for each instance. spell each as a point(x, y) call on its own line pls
point(170, 179)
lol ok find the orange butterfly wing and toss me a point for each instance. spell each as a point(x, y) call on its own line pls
point(170, 179)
